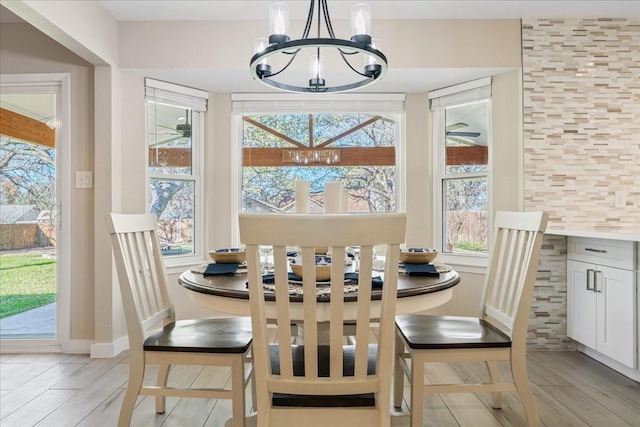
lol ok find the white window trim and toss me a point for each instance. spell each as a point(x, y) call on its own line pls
point(440, 99)
point(256, 103)
point(196, 100)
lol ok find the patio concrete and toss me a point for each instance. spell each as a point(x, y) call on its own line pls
point(39, 323)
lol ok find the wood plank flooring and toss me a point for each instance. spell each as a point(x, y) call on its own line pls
point(75, 390)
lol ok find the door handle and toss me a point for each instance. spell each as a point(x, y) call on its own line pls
point(597, 282)
point(590, 279)
point(600, 251)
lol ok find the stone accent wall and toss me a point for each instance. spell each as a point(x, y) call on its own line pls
point(582, 122)
point(581, 102)
point(548, 320)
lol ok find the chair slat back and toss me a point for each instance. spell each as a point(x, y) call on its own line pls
point(305, 232)
point(513, 263)
point(141, 273)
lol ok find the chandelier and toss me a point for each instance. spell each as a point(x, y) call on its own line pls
point(362, 61)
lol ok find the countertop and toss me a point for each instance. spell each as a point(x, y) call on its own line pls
point(632, 236)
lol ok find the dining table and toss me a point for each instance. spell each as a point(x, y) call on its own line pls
point(229, 293)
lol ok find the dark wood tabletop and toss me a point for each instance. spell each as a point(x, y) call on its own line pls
point(235, 286)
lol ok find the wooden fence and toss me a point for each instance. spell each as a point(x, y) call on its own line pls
point(466, 226)
point(27, 236)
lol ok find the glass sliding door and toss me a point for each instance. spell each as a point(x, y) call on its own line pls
point(30, 202)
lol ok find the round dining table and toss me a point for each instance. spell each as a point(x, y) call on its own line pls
point(230, 294)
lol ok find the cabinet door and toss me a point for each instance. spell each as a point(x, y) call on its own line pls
point(616, 297)
point(581, 304)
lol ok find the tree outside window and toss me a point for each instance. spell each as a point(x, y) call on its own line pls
point(358, 150)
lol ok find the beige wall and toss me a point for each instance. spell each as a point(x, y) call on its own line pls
point(117, 155)
point(24, 49)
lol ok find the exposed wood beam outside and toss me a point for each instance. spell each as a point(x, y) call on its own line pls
point(171, 157)
point(469, 155)
point(17, 126)
point(274, 132)
point(349, 156)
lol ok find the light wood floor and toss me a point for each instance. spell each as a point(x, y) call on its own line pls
point(75, 390)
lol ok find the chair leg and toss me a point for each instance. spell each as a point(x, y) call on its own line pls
point(163, 378)
point(521, 379)
point(238, 391)
point(252, 380)
point(134, 384)
point(494, 373)
point(398, 372)
point(417, 390)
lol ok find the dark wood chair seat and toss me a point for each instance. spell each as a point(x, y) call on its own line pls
point(224, 335)
point(323, 401)
point(443, 332)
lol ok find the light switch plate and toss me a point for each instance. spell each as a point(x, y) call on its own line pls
point(620, 199)
point(84, 179)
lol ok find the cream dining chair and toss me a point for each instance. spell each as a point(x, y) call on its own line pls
point(155, 337)
point(499, 333)
point(322, 383)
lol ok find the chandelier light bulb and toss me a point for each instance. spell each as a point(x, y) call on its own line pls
point(263, 67)
point(258, 47)
point(316, 67)
point(278, 26)
point(278, 22)
point(370, 59)
point(359, 24)
point(316, 78)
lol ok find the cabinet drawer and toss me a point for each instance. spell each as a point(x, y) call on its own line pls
point(612, 253)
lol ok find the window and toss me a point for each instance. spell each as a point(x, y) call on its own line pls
point(462, 140)
point(174, 137)
point(319, 141)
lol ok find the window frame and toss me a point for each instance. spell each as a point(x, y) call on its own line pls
point(477, 90)
point(366, 103)
point(196, 100)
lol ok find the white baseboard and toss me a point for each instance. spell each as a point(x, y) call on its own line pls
point(634, 374)
point(109, 349)
point(31, 347)
point(11, 348)
point(77, 347)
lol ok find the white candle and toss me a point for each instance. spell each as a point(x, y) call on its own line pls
point(332, 197)
point(344, 202)
point(302, 196)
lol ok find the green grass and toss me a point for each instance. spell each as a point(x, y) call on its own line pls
point(27, 281)
point(470, 246)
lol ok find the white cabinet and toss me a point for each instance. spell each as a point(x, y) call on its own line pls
point(601, 297)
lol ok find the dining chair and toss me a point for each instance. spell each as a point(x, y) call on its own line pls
point(155, 337)
point(498, 334)
point(323, 382)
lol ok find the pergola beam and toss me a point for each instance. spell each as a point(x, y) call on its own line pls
point(346, 156)
point(23, 128)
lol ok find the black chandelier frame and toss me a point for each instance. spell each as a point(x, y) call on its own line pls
point(281, 44)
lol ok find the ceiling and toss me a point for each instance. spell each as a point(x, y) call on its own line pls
point(169, 10)
point(419, 80)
